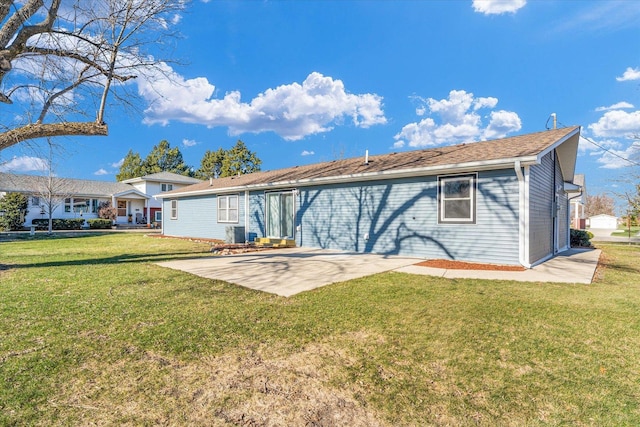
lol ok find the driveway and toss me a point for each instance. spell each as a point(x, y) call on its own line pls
point(290, 271)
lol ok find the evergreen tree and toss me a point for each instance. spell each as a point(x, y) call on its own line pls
point(163, 158)
point(131, 167)
point(13, 209)
point(211, 164)
point(239, 161)
point(220, 163)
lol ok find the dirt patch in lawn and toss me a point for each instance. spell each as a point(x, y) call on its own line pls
point(460, 265)
point(255, 387)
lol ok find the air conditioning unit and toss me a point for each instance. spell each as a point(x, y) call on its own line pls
point(234, 234)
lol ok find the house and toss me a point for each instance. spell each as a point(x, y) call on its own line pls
point(504, 201)
point(603, 221)
point(157, 183)
point(75, 198)
point(579, 204)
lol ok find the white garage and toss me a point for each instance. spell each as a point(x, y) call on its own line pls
point(607, 222)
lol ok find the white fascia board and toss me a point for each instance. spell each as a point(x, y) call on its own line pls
point(136, 192)
point(557, 144)
point(367, 176)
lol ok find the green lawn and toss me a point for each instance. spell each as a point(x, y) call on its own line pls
point(92, 332)
point(624, 232)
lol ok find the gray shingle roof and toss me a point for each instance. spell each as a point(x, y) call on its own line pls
point(78, 187)
point(168, 177)
point(512, 148)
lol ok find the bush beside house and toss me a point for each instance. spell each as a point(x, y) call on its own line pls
point(581, 238)
point(59, 224)
point(100, 223)
point(13, 209)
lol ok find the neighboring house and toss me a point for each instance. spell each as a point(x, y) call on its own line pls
point(157, 183)
point(579, 204)
point(603, 221)
point(77, 198)
point(502, 201)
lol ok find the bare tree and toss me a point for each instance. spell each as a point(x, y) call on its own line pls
point(62, 60)
point(600, 204)
point(51, 191)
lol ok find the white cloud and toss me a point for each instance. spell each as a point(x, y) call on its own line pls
point(293, 111)
point(24, 164)
point(101, 172)
point(498, 7)
point(118, 163)
point(307, 153)
point(599, 16)
point(501, 123)
point(616, 106)
point(617, 123)
point(189, 142)
point(629, 74)
point(615, 159)
point(459, 122)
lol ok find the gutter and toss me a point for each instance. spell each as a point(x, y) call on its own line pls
point(523, 219)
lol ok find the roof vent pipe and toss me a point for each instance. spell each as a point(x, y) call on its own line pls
point(366, 157)
point(211, 181)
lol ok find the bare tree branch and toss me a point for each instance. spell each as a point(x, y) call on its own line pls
point(75, 61)
point(41, 130)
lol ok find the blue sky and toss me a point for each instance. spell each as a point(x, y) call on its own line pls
point(308, 81)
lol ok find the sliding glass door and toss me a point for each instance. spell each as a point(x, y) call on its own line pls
point(280, 215)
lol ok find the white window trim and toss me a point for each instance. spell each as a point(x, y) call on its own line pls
point(155, 216)
point(173, 204)
point(228, 209)
point(473, 177)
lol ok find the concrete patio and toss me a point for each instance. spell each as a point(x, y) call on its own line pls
point(286, 272)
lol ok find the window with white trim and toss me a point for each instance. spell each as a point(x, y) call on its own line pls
point(457, 199)
point(174, 209)
point(158, 216)
point(166, 187)
point(228, 208)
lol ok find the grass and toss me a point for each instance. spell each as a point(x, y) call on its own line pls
point(93, 332)
point(624, 232)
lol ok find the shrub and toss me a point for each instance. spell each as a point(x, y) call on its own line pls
point(99, 223)
point(106, 211)
point(581, 238)
point(14, 209)
point(59, 224)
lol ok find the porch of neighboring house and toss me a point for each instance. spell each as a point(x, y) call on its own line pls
point(132, 209)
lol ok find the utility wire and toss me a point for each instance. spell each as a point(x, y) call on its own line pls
point(632, 162)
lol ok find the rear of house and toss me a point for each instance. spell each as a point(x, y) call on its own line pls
point(502, 201)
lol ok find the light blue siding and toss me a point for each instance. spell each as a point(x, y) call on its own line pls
point(198, 217)
point(541, 197)
point(257, 225)
point(400, 217)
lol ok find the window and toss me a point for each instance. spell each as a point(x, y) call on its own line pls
point(166, 187)
point(67, 205)
point(81, 205)
point(228, 208)
point(174, 209)
point(35, 201)
point(457, 199)
point(158, 216)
